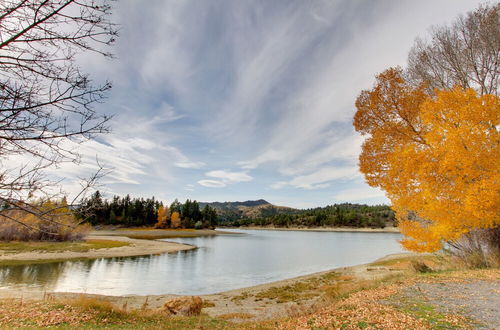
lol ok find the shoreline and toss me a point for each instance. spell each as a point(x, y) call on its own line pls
point(152, 234)
point(238, 301)
point(321, 229)
point(136, 247)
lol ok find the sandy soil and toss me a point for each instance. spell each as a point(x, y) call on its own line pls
point(333, 229)
point(136, 247)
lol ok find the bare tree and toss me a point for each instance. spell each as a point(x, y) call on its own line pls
point(46, 101)
point(465, 53)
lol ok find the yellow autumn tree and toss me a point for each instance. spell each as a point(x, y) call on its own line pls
point(175, 220)
point(162, 218)
point(434, 155)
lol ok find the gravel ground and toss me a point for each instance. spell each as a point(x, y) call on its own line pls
point(478, 300)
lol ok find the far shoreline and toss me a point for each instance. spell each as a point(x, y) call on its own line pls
point(147, 241)
point(319, 229)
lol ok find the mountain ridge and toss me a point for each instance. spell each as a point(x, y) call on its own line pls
point(250, 209)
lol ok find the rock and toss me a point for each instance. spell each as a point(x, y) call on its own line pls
point(186, 306)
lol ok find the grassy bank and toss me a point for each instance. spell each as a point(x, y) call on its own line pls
point(151, 233)
point(9, 250)
point(97, 246)
point(84, 246)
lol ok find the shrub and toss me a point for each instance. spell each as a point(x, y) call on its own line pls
point(420, 267)
point(51, 221)
point(478, 249)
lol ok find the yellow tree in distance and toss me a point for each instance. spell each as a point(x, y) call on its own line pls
point(175, 220)
point(436, 156)
point(162, 218)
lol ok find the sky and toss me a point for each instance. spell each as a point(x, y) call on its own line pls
point(242, 100)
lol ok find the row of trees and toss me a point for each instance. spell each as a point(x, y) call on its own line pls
point(351, 215)
point(187, 215)
point(127, 211)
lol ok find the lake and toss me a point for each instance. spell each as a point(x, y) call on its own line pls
point(220, 263)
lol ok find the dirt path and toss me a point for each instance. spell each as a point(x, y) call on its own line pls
point(136, 247)
point(478, 300)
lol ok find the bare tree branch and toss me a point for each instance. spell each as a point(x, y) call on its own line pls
point(45, 98)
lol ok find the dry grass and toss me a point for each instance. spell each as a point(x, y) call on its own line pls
point(85, 246)
point(207, 304)
point(91, 313)
point(240, 316)
point(239, 298)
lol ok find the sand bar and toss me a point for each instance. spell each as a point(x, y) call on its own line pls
point(136, 247)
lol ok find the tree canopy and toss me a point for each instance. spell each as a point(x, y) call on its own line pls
point(434, 155)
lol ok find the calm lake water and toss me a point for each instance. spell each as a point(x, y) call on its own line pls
point(219, 263)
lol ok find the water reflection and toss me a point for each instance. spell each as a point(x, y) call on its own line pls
point(220, 263)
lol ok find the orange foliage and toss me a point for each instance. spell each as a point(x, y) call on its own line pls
point(436, 157)
point(175, 220)
point(163, 216)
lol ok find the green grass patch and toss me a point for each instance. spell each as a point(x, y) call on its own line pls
point(404, 260)
point(37, 261)
point(239, 298)
point(207, 304)
point(295, 292)
point(85, 246)
point(421, 309)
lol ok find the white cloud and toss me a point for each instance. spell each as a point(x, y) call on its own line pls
point(193, 165)
point(165, 114)
point(267, 156)
point(320, 178)
point(229, 177)
point(225, 177)
point(357, 194)
point(212, 183)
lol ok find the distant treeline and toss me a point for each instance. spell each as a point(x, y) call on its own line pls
point(351, 215)
point(128, 212)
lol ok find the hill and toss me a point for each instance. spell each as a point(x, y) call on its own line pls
point(336, 215)
point(232, 211)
